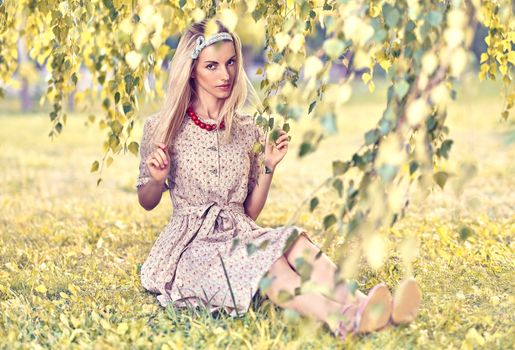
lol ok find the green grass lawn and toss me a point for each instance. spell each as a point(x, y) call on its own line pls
point(70, 250)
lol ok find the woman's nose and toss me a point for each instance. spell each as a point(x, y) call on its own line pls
point(225, 74)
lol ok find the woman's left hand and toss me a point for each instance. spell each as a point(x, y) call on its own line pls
point(275, 152)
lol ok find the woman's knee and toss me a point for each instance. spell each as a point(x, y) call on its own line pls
point(283, 278)
point(299, 246)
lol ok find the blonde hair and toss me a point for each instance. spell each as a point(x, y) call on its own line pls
point(181, 88)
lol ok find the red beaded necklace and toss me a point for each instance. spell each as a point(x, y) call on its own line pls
point(203, 125)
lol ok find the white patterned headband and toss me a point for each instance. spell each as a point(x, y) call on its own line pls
point(202, 42)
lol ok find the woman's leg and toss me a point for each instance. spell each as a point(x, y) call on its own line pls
point(284, 278)
point(324, 269)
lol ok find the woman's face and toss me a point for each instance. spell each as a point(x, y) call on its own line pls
point(216, 66)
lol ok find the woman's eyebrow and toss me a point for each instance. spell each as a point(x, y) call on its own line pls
point(217, 62)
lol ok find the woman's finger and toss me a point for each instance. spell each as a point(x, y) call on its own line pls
point(162, 146)
point(154, 163)
point(158, 157)
point(163, 155)
point(282, 144)
point(281, 138)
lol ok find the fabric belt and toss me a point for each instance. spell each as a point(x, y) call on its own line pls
point(215, 216)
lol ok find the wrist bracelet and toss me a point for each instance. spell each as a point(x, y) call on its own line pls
point(268, 170)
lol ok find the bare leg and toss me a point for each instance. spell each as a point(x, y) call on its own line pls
point(284, 278)
point(324, 270)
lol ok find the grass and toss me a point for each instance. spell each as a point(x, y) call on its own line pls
point(70, 250)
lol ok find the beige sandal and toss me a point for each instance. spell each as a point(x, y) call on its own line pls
point(406, 303)
point(369, 314)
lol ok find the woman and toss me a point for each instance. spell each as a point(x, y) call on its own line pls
point(212, 253)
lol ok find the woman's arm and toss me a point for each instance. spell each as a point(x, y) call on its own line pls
point(256, 200)
point(154, 168)
point(259, 181)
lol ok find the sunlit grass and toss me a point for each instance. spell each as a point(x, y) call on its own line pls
point(70, 250)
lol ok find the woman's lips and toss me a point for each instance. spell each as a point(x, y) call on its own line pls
point(224, 87)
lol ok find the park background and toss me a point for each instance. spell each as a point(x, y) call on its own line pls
point(71, 250)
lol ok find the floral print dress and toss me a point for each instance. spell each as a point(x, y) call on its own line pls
point(209, 234)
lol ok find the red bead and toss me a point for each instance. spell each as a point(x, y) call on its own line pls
point(201, 124)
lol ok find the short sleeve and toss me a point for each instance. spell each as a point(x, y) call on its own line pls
point(145, 149)
point(256, 159)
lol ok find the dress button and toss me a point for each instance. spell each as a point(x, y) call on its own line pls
point(214, 171)
point(212, 148)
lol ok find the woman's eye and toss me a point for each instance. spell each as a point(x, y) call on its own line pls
point(211, 65)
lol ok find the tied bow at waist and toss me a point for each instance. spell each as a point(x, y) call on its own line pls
point(214, 217)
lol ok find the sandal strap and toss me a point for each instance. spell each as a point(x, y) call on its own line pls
point(348, 325)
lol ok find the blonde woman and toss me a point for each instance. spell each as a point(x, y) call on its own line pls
point(199, 147)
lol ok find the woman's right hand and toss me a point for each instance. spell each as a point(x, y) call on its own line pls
point(158, 162)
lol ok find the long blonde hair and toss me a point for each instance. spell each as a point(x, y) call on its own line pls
point(181, 88)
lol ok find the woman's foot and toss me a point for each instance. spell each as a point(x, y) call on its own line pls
point(368, 314)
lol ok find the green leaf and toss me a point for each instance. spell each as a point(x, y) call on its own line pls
point(127, 108)
point(305, 148)
point(313, 204)
point(94, 166)
point(391, 15)
point(441, 178)
point(106, 103)
point(465, 232)
point(444, 149)
point(257, 13)
point(251, 248)
point(340, 167)
point(129, 79)
point(338, 185)
point(117, 127)
point(329, 220)
point(311, 106)
point(387, 172)
point(114, 141)
point(274, 134)
point(413, 166)
point(74, 78)
point(116, 97)
point(371, 136)
point(235, 243)
point(133, 148)
point(401, 89)
point(358, 160)
point(284, 296)
point(434, 18)
point(264, 284)
point(264, 244)
point(286, 127)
